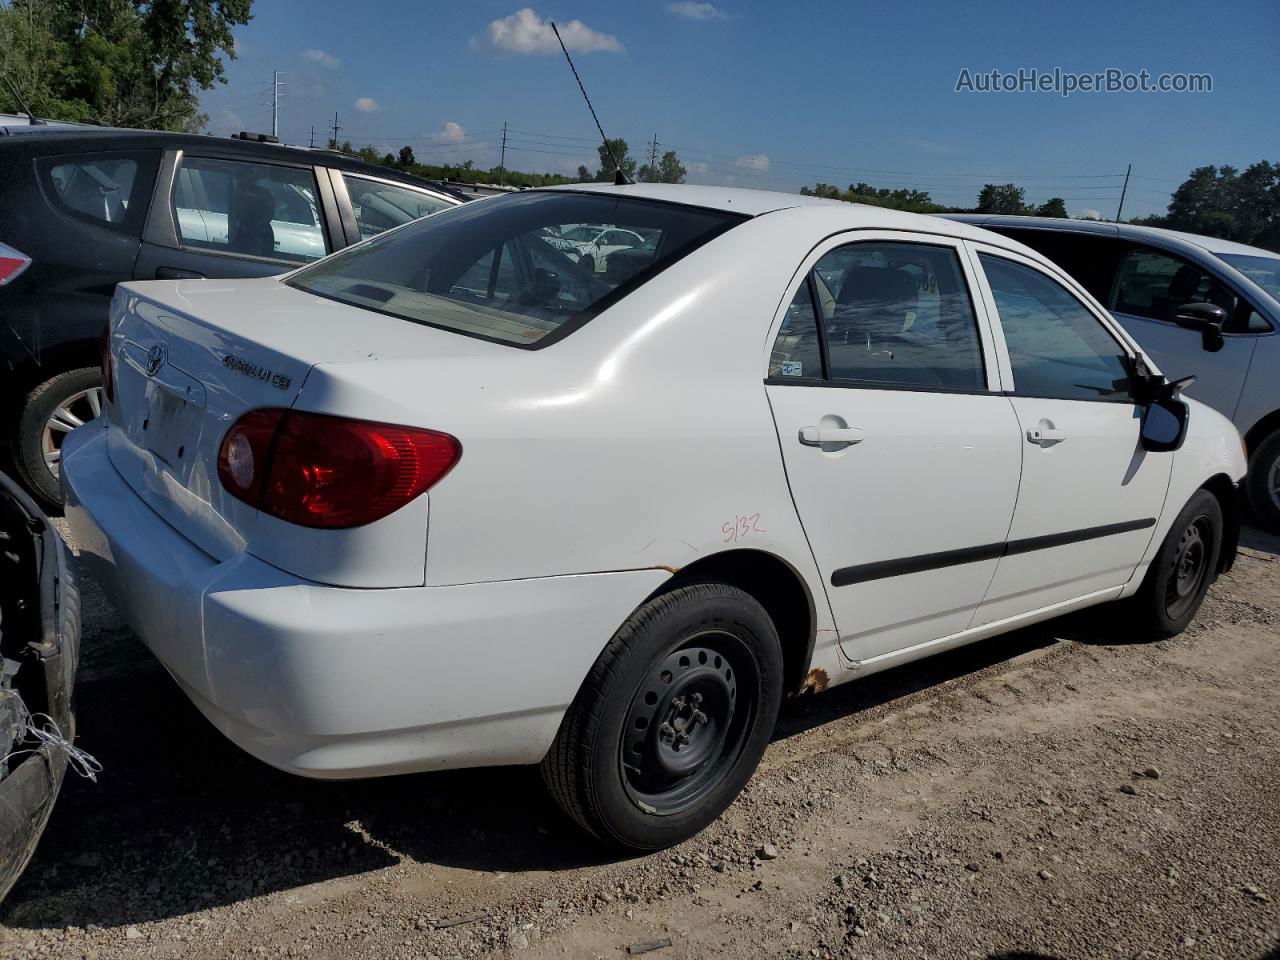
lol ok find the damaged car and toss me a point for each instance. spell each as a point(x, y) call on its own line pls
point(39, 636)
point(450, 498)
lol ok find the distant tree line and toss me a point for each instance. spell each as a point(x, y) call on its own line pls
point(999, 198)
point(666, 169)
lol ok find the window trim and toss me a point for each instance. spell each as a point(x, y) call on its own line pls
point(1129, 351)
point(147, 163)
point(166, 231)
point(988, 348)
point(1134, 246)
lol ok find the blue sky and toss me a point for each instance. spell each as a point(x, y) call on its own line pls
point(777, 95)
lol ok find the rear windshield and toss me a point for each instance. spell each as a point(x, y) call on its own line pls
point(523, 269)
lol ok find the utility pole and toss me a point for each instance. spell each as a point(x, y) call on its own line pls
point(275, 103)
point(1123, 191)
point(336, 128)
point(653, 160)
point(313, 136)
point(502, 163)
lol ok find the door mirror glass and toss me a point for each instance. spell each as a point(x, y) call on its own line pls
point(1164, 425)
point(1208, 318)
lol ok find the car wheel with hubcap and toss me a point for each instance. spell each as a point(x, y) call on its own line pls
point(1183, 569)
point(50, 412)
point(672, 720)
point(1263, 482)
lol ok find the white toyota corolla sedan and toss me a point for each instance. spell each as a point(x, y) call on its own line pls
point(447, 499)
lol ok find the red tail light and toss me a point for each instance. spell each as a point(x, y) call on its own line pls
point(104, 355)
point(330, 472)
point(12, 263)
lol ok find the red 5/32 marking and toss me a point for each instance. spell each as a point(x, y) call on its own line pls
point(739, 528)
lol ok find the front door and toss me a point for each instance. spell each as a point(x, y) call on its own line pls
point(901, 453)
point(1150, 285)
point(1090, 495)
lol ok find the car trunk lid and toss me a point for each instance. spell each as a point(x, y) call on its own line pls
point(190, 357)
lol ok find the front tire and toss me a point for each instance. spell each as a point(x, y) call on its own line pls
point(672, 720)
point(1263, 483)
point(1182, 571)
point(49, 412)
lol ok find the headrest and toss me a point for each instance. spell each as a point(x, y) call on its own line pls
point(882, 284)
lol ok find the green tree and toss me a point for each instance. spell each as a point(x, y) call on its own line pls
point(131, 63)
point(624, 158)
point(583, 173)
point(1223, 202)
point(1053, 207)
point(1003, 198)
point(406, 159)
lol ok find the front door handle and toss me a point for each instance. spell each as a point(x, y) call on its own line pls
point(1043, 435)
point(819, 436)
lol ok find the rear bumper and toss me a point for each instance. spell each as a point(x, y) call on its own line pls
point(335, 682)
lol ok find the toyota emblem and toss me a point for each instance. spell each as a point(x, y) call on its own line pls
point(155, 358)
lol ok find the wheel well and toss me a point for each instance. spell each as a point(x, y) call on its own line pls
point(1229, 498)
point(1261, 430)
point(779, 589)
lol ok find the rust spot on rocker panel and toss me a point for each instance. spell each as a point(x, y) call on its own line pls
point(816, 681)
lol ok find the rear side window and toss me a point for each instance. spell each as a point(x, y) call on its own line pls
point(1057, 347)
point(511, 269)
point(108, 189)
point(249, 209)
point(899, 314)
point(380, 206)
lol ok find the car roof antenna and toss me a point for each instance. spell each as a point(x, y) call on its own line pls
point(32, 119)
point(619, 177)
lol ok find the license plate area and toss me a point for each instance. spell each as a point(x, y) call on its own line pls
point(171, 424)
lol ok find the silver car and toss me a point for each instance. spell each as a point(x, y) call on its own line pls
point(1198, 305)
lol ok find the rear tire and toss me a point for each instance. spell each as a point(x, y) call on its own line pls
point(58, 403)
point(1263, 483)
point(672, 720)
point(1182, 571)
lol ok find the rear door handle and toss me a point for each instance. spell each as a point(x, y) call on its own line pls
point(175, 273)
point(817, 436)
point(1044, 435)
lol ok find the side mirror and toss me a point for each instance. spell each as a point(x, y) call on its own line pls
point(1208, 318)
point(1164, 425)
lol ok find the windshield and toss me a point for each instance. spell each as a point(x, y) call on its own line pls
point(1264, 271)
point(503, 269)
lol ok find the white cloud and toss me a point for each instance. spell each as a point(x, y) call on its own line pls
point(368, 105)
point(697, 168)
point(1090, 214)
point(326, 60)
point(450, 133)
point(231, 120)
point(526, 32)
point(697, 11)
point(759, 162)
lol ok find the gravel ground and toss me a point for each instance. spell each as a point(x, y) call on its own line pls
point(1055, 793)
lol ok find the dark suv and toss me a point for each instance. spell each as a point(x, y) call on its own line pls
point(83, 209)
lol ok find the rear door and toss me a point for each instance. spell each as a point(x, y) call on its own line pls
point(226, 216)
point(901, 451)
point(1149, 287)
point(1090, 495)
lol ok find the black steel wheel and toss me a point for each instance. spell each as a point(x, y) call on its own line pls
point(672, 719)
point(1183, 569)
point(688, 723)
